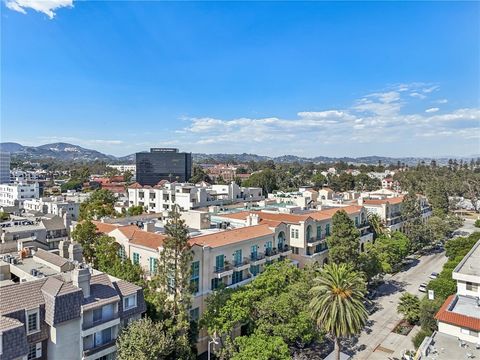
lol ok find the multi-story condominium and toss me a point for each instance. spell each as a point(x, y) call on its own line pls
point(23, 176)
point(4, 167)
point(389, 209)
point(45, 232)
point(14, 195)
point(163, 164)
point(165, 195)
point(55, 205)
point(305, 232)
point(61, 309)
point(125, 167)
point(305, 198)
point(458, 335)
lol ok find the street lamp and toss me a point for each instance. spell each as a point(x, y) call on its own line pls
point(213, 341)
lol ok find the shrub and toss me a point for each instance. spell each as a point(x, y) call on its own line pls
point(418, 338)
point(477, 223)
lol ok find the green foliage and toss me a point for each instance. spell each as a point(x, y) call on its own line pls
point(428, 309)
point(318, 180)
point(477, 223)
point(146, 340)
point(199, 175)
point(71, 185)
point(127, 176)
point(438, 197)
point(85, 233)
point(171, 286)
point(392, 250)
point(413, 224)
point(261, 347)
point(460, 246)
point(337, 301)
point(363, 182)
point(344, 242)
point(409, 307)
point(4, 216)
point(418, 338)
point(274, 304)
point(264, 179)
point(99, 204)
point(135, 210)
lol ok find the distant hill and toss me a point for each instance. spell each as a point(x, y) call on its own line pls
point(70, 152)
point(59, 151)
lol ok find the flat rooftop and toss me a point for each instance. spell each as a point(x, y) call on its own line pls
point(470, 265)
point(447, 347)
point(466, 305)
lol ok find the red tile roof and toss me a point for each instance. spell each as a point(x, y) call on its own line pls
point(228, 237)
point(134, 234)
point(135, 186)
point(392, 201)
point(294, 218)
point(446, 316)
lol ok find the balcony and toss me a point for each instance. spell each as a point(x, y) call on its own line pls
point(257, 259)
point(284, 250)
point(241, 283)
point(97, 349)
point(272, 254)
point(221, 271)
point(242, 264)
point(313, 241)
point(103, 320)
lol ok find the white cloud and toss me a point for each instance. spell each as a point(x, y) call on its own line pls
point(372, 120)
point(418, 95)
point(44, 6)
point(441, 101)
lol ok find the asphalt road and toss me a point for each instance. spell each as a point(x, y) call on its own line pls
point(383, 321)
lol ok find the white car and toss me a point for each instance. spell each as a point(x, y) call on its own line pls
point(433, 275)
point(422, 287)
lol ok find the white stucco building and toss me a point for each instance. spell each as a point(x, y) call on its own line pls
point(16, 194)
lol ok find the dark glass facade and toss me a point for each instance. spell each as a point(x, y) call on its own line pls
point(163, 164)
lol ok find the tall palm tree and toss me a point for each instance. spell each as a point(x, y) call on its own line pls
point(377, 224)
point(337, 302)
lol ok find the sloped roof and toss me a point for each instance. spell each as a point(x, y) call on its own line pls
point(51, 258)
point(228, 237)
point(7, 323)
point(134, 234)
point(393, 201)
point(453, 318)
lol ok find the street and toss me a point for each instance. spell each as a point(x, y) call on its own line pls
point(372, 343)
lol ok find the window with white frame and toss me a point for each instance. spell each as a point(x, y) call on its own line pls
point(129, 302)
point(34, 351)
point(33, 321)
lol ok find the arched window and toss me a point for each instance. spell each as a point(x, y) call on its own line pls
point(309, 232)
point(281, 240)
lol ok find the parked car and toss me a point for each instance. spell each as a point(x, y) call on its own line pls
point(372, 294)
point(433, 275)
point(422, 287)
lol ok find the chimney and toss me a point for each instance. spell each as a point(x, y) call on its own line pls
point(81, 279)
point(149, 226)
point(67, 221)
point(63, 247)
point(75, 252)
point(252, 219)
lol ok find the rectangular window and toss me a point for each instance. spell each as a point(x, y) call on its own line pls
point(121, 252)
point(195, 277)
point(356, 220)
point(472, 286)
point(319, 232)
point(327, 230)
point(195, 314)
point(296, 233)
point(97, 315)
point(33, 321)
point(237, 277)
point(129, 302)
point(34, 351)
point(136, 258)
point(103, 337)
point(293, 233)
point(268, 245)
point(253, 252)
point(153, 263)
point(255, 269)
point(237, 257)
point(220, 262)
point(216, 283)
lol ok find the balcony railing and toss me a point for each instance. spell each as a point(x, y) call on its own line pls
point(257, 256)
point(271, 252)
point(241, 262)
point(103, 320)
point(98, 348)
point(222, 269)
point(284, 248)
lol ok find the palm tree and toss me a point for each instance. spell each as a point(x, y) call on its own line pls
point(337, 302)
point(377, 224)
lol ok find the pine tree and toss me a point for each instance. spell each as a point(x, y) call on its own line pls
point(173, 278)
point(344, 243)
point(412, 220)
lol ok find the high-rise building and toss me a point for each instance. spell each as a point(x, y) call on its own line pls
point(4, 167)
point(163, 164)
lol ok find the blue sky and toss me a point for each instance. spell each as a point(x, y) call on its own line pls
point(273, 78)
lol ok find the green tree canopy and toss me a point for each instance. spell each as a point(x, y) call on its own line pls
point(344, 242)
point(409, 307)
point(261, 347)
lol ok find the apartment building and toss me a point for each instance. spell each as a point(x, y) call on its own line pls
point(4, 167)
point(44, 232)
point(304, 198)
point(165, 195)
point(14, 195)
point(458, 335)
point(305, 232)
point(229, 257)
point(61, 309)
point(55, 205)
point(124, 167)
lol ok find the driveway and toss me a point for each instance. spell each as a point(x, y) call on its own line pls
point(377, 341)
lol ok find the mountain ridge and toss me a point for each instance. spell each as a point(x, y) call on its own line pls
point(70, 152)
